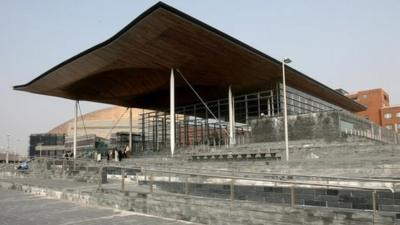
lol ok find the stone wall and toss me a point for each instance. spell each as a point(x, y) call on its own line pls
point(326, 126)
point(224, 212)
point(322, 197)
point(312, 126)
point(212, 211)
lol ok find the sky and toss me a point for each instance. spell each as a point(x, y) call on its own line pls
point(349, 44)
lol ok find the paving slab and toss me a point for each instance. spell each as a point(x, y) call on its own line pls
point(20, 208)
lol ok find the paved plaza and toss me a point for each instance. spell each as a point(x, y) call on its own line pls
point(20, 208)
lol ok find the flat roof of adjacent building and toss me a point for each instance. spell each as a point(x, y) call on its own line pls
point(132, 68)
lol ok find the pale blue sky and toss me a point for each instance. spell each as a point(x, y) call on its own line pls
point(351, 44)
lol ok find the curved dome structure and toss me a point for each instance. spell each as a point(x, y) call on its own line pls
point(101, 122)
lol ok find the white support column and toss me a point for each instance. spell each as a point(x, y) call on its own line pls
point(234, 120)
point(75, 126)
point(172, 112)
point(231, 117)
point(130, 130)
point(285, 112)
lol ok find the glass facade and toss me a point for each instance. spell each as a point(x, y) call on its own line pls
point(299, 102)
point(196, 126)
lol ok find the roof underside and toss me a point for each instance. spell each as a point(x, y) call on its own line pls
point(133, 67)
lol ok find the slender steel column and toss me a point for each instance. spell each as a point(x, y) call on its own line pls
point(130, 130)
point(75, 127)
point(285, 111)
point(172, 111)
point(231, 117)
point(143, 131)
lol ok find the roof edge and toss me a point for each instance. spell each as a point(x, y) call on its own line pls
point(199, 23)
point(102, 44)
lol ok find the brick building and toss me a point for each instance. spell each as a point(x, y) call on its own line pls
point(390, 117)
point(378, 108)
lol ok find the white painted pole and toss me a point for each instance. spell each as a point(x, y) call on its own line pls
point(231, 117)
point(75, 127)
point(8, 147)
point(285, 111)
point(130, 130)
point(172, 112)
point(8, 141)
point(234, 120)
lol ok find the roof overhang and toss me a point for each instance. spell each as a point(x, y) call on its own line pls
point(132, 68)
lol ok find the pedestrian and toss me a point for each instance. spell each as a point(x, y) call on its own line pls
point(115, 151)
point(119, 155)
point(126, 151)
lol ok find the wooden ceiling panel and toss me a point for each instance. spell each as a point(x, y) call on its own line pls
point(132, 68)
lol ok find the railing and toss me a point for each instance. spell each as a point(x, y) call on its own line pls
point(291, 176)
point(185, 183)
point(370, 135)
point(369, 129)
point(237, 172)
point(191, 184)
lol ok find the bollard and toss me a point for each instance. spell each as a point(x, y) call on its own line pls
point(187, 185)
point(63, 167)
point(46, 164)
point(122, 180)
point(100, 177)
point(169, 175)
point(232, 189)
point(151, 183)
point(374, 201)
point(292, 197)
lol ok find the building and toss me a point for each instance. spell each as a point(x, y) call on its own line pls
point(38, 142)
point(390, 117)
point(200, 83)
point(97, 130)
point(378, 108)
point(374, 100)
point(101, 123)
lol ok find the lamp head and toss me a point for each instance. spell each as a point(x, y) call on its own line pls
point(287, 60)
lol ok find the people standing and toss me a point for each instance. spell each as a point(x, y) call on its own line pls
point(115, 155)
point(126, 151)
point(119, 155)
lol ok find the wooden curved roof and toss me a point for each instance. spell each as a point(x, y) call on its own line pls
point(132, 68)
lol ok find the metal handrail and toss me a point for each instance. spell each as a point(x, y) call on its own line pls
point(144, 169)
point(288, 174)
point(269, 180)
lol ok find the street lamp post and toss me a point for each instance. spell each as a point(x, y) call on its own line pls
point(40, 150)
point(8, 141)
point(8, 147)
point(284, 62)
point(15, 150)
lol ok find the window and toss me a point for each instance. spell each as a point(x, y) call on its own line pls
point(398, 126)
point(398, 115)
point(390, 127)
point(388, 116)
point(365, 96)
